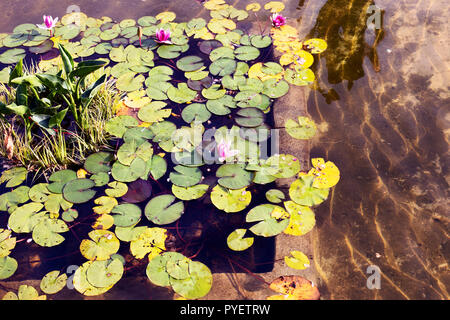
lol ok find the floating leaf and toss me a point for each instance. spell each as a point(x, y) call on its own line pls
point(298, 261)
point(189, 193)
point(79, 190)
point(100, 179)
point(126, 214)
point(295, 288)
point(138, 134)
point(53, 282)
point(185, 176)
point(271, 220)
point(207, 46)
point(102, 274)
point(195, 112)
point(223, 67)
point(24, 218)
point(56, 202)
point(130, 82)
point(300, 78)
point(213, 92)
point(286, 165)
point(303, 128)
point(117, 189)
point(12, 56)
point(166, 16)
point(230, 200)
point(70, 215)
point(302, 219)
point(128, 234)
point(326, 174)
point(274, 6)
point(316, 45)
point(104, 243)
point(151, 242)
point(249, 117)
point(130, 151)
point(259, 41)
point(221, 52)
point(254, 6)
point(234, 176)
point(81, 283)
point(275, 89)
point(156, 269)
point(171, 51)
point(220, 26)
point(47, 232)
point(237, 242)
point(190, 63)
point(105, 205)
point(275, 195)
point(163, 209)
point(14, 177)
point(304, 193)
point(221, 106)
point(154, 112)
point(7, 243)
point(246, 53)
point(8, 267)
point(182, 94)
point(99, 162)
point(138, 191)
point(129, 173)
point(197, 285)
point(117, 126)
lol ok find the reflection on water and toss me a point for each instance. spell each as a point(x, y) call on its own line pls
point(387, 130)
point(382, 105)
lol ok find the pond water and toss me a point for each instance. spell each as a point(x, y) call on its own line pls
point(382, 105)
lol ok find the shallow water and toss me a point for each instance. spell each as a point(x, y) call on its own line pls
point(382, 105)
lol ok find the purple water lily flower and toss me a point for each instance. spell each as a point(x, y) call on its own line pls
point(278, 20)
point(224, 150)
point(49, 23)
point(163, 36)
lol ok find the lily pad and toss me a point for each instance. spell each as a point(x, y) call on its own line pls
point(190, 63)
point(326, 174)
point(221, 106)
point(185, 176)
point(117, 126)
point(117, 189)
point(70, 215)
point(195, 112)
point(14, 177)
point(295, 288)
point(138, 191)
point(275, 195)
point(259, 41)
point(154, 112)
point(126, 215)
point(298, 260)
point(104, 273)
point(151, 241)
point(130, 82)
point(213, 92)
point(53, 282)
point(163, 209)
point(304, 128)
point(209, 45)
point(237, 242)
point(197, 285)
point(79, 190)
point(130, 151)
point(8, 267)
point(304, 193)
point(129, 173)
point(275, 89)
point(99, 162)
point(234, 176)
point(102, 245)
point(249, 117)
point(182, 94)
point(7, 243)
point(189, 193)
point(246, 53)
point(171, 51)
point(47, 232)
point(100, 179)
point(271, 219)
point(223, 67)
point(230, 200)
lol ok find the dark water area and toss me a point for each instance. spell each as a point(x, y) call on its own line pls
point(382, 106)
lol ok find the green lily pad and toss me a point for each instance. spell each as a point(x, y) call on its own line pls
point(197, 74)
point(259, 41)
point(237, 242)
point(100, 179)
point(249, 117)
point(106, 273)
point(209, 45)
point(185, 176)
point(129, 151)
point(275, 195)
point(44, 47)
point(214, 92)
point(271, 219)
point(138, 191)
point(130, 82)
point(70, 215)
point(171, 51)
point(182, 94)
point(251, 84)
point(197, 285)
point(271, 68)
point(189, 193)
point(82, 285)
point(223, 67)
point(198, 85)
point(164, 210)
point(117, 126)
point(128, 234)
point(53, 282)
point(103, 48)
point(138, 134)
point(59, 179)
point(129, 173)
point(221, 52)
point(14, 177)
point(304, 128)
point(275, 89)
point(230, 200)
point(195, 112)
point(109, 34)
point(246, 53)
point(126, 214)
point(252, 99)
point(68, 32)
point(116, 189)
point(158, 167)
point(285, 165)
point(147, 21)
point(4, 74)
point(99, 162)
point(300, 78)
point(234, 176)
point(190, 63)
point(56, 202)
point(303, 192)
point(233, 82)
point(47, 232)
point(156, 269)
point(8, 267)
point(154, 112)
point(7, 243)
point(79, 190)
point(102, 245)
point(221, 106)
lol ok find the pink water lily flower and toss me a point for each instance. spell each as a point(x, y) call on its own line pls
point(49, 23)
point(278, 20)
point(163, 36)
point(224, 150)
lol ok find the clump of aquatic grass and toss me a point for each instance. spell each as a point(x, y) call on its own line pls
point(64, 148)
